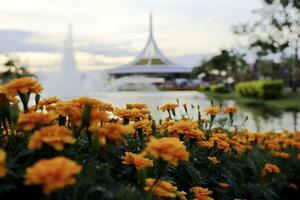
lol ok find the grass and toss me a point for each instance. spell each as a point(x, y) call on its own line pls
point(288, 101)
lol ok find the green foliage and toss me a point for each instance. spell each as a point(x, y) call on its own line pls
point(275, 29)
point(263, 89)
point(218, 89)
point(204, 88)
point(11, 70)
point(229, 61)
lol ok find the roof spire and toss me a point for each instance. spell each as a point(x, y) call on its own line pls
point(151, 27)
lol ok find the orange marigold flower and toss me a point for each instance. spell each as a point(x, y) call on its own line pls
point(201, 193)
point(136, 105)
point(130, 113)
point(168, 106)
point(270, 168)
point(230, 109)
point(52, 174)
point(188, 128)
point(48, 101)
point(164, 125)
point(2, 163)
point(22, 85)
point(97, 116)
point(281, 154)
point(55, 136)
point(137, 160)
point(30, 120)
point(95, 103)
point(4, 98)
point(160, 188)
point(112, 132)
point(67, 109)
point(206, 144)
point(223, 185)
point(223, 145)
point(74, 112)
point(293, 186)
point(168, 149)
point(86, 101)
point(142, 124)
point(213, 160)
point(213, 110)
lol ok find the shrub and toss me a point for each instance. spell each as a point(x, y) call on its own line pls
point(218, 89)
point(204, 88)
point(263, 89)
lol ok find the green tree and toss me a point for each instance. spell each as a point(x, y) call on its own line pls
point(276, 29)
point(11, 70)
point(231, 62)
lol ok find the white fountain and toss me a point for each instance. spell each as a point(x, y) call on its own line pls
point(65, 82)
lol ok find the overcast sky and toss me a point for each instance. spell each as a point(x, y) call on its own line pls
point(111, 32)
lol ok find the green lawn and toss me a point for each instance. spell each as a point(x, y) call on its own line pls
point(288, 101)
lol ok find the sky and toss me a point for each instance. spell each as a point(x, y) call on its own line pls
point(108, 33)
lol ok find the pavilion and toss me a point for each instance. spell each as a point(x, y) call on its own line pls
point(151, 62)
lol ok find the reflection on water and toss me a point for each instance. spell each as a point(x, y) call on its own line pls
point(258, 118)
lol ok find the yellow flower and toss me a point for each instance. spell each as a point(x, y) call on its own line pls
point(230, 109)
point(270, 168)
point(161, 188)
point(213, 160)
point(22, 85)
point(188, 128)
point(137, 160)
point(168, 149)
point(52, 174)
point(213, 110)
point(201, 193)
point(55, 136)
point(111, 132)
point(30, 120)
point(2, 163)
point(168, 106)
point(136, 105)
point(223, 185)
point(181, 195)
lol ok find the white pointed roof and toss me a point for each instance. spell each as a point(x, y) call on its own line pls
point(150, 60)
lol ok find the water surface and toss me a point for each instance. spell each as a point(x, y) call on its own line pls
point(258, 118)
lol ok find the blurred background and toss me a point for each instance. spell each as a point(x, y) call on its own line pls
point(115, 50)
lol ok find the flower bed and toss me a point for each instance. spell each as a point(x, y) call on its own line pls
point(87, 149)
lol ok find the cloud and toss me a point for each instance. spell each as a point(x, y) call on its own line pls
point(109, 50)
point(111, 33)
point(16, 40)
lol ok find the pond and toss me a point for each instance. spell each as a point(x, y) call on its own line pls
point(259, 119)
